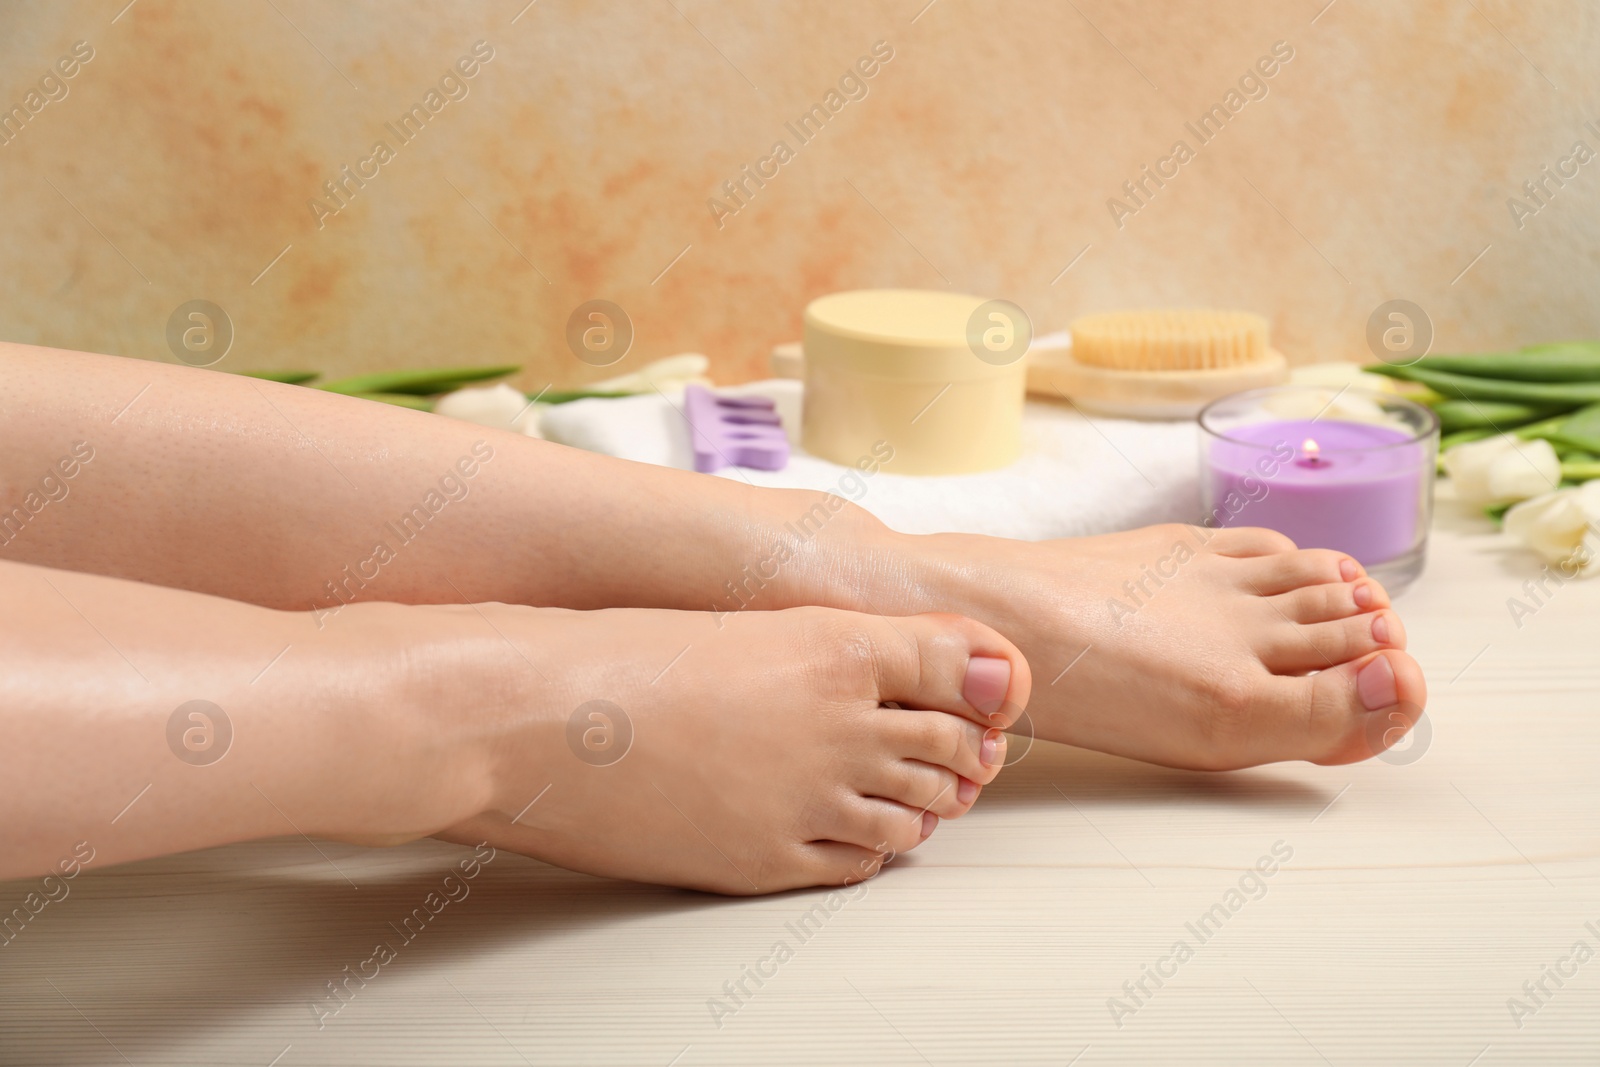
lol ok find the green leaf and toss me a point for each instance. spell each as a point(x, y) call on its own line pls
point(1558, 361)
point(418, 382)
point(287, 377)
point(403, 400)
point(1580, 430)
point(1456, 413)
point(570, 395)
point(1470, 387)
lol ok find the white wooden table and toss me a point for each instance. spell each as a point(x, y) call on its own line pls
point(1418, 899)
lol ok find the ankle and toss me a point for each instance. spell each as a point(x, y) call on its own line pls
point(499, 706)
point(443, 688)
point(958, 573)
point(843, 556)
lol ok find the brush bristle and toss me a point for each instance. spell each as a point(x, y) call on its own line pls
point(1169, 339)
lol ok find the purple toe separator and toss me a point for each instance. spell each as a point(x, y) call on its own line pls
point(744, 431)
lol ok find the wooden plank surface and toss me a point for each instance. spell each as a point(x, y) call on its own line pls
point(1418, 898)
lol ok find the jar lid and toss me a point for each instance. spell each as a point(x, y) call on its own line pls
point(896, 333)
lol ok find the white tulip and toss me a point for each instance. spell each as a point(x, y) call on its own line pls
point(1337, 392)
point(1335, 405)
point(1502, 470)
point(1561, 526)
point(499, 406)
point(1338, 374)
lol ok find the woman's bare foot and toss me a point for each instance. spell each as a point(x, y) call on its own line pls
point(1186, 646)
point(743, 755)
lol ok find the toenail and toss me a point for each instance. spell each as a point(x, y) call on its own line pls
point(1380, 629)
point(988, 678)
point(930, 823)
point(966, 792)
point(1362, 595)
point(1376, 684)
point(993, 749)
point(1347, 570)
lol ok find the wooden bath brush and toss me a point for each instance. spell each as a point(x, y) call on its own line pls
point(1160, 364)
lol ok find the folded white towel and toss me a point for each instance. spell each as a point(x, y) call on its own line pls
point(1078, 475)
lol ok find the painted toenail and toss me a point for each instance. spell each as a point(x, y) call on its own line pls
point(1347, 569)
point(930, 823)
point(1380, 629)
point(1362, 595)
point(993, 749)
point(967, 791)
point(1376, 684)
point(988, 678)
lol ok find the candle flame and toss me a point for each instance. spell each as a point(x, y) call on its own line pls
point(1311, 449)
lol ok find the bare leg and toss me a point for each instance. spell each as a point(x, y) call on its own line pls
point(281, 496)
point(761, 758)
point(278, 495)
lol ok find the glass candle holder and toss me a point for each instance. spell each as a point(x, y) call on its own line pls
point(1347, 469)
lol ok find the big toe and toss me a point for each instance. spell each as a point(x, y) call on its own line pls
point(948, 663)
point(938, 691)
point(1360, 708)
point(952, 687)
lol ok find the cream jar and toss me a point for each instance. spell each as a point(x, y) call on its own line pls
point(938, 377)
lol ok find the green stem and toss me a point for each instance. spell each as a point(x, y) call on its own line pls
point(1461, 437)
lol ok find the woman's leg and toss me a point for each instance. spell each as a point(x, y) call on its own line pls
point(645, 744)
point(303, 500)
point(292, 498)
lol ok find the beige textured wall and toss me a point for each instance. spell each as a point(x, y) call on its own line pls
point(182, 158)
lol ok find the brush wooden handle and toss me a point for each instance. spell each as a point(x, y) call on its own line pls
point(1146, 394)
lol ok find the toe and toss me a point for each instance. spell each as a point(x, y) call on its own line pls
point(1286, 571)
point(1292, 648)
point(881, 825)
point(1368, 705)
point(922, 787)
point(836, 863)
point(948, 663)
point(1249, 541)
point(957, 745)
point(1340, 715)
point(1331, 600)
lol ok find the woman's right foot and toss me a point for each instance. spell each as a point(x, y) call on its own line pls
point(757, 752)
point(1200, 648)
point(1181, 645)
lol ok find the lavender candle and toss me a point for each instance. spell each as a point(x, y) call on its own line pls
point(1355, 476)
